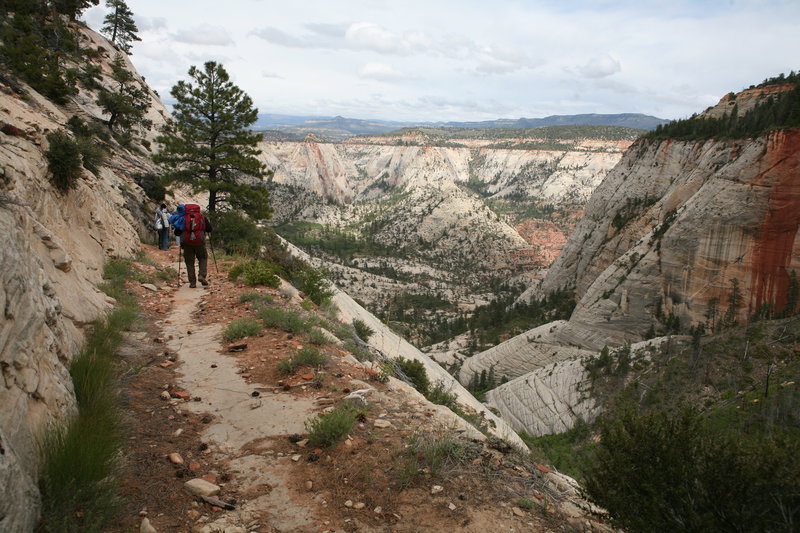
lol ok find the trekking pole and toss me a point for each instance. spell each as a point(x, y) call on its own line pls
point(179, 265)
point(211, 244)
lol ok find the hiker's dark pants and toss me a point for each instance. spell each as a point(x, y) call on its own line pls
point(163, 239)
point(190, 251)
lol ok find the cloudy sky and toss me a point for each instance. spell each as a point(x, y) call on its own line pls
point(470, 59)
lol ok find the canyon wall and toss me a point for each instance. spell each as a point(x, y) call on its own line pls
point(667, 235)
point(52, 252)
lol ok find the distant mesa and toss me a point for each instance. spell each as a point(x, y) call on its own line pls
point(338, 127)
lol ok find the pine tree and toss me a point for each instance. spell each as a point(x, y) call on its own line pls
point(735, 300)
point(120, 26)
point(129, 103)
point(208, 146)
point(72, 8)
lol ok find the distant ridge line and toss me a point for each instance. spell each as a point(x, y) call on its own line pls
point(340, 127)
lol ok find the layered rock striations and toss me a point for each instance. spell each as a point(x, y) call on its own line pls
point(673, 232)
point(52, 252)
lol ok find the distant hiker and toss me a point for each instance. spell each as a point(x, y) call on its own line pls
point(192, 226)
point(173, 221)
point(161, 224)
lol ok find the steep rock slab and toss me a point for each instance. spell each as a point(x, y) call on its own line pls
point(546, 401)
point(524, 353)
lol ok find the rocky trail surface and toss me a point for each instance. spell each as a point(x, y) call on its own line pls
point(218, 435)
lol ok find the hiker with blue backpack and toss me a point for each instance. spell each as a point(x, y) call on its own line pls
point(191, 227)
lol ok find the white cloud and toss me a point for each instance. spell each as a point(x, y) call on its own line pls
point(150, 23)
point(369, 36)
point(380, 72)
point(600, 67)
point(205, 35)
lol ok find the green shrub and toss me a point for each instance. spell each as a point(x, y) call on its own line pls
point(312, 282)
point(235, 233)
point(359, 352)
point(304, 357)
point(363, 330)
point(440, 395)
point(64, 160)
point(80, 472)
point(317, 337)
point(241, 328)
point(287, 320)
point(153, 188)
point(525, 503)
point(256, 272)
point(440, 451)
point(326, 429)
point(255, 297)
point(93, 155)
point(310, 357)
point(414, 371)
point(661, 471)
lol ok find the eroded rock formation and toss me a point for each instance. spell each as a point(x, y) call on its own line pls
point(670, 232)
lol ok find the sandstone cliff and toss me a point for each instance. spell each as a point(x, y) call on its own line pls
point(52, 254)
point(665, 238)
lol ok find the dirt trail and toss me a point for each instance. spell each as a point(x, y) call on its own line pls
point(239, 419)
point(198, 410)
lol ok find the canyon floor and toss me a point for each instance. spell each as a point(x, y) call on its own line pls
point(199, 407)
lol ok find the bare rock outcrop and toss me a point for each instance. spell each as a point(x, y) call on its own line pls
point(548, 400)
point(52, 252)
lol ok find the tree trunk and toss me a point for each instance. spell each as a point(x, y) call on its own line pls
point(212, 200)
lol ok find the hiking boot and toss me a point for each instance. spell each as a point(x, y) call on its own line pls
point(192, 285)
point(204, 282)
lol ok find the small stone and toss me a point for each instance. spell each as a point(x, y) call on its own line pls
point(166, 364)
point(181, 395)
point(200, 487)
point(380, 423)
point(146, 527)
point(378, 510)
point(517, 511)
point(150, 287)
point(543, 469)
point(210, 478)
point(247, 375)
point(237, 347)
point(436, 489)
point(348, 503)
point(175, 458)
point(451, 506)
point(302, 443)
point(296, 457)
point(194, 466)
point(359, 505)
point(307, 377)
point(178, 432)
point(309, 485)
point(165, 395)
